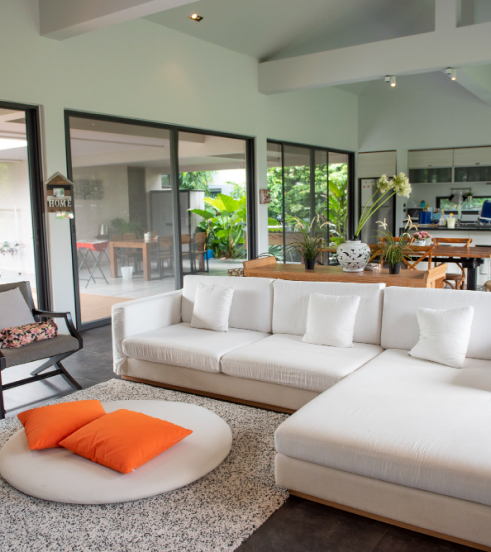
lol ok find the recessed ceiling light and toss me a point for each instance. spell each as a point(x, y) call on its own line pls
point(196, 17)
point(451, 72)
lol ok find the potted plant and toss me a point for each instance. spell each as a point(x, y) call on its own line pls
point(309, 244)
point(353, 255)
point(393, 251)
point(421, 237)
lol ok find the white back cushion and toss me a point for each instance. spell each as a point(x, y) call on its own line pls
point(252, 303)
point(291, 301)
point(400, 328)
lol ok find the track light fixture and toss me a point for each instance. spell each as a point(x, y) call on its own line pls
point(196, 17)
point(391, 80)
point(451, 72)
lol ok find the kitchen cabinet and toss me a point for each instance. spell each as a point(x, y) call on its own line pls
point(375, 164)
point(430, 159)
point(468, 157)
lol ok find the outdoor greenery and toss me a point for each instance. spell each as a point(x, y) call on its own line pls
point(197, 180)
point(331, 202)
point(225, 220)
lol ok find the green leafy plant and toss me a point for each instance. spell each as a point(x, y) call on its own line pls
point(392, 250)
point(224, 223)
point(309, 244)
point(122, 227)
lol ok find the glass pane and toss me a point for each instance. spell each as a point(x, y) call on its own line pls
point(123, 213)
point(296, 194)
point(321, 196)
point(338, 200)
point(430, 176)
point(275, 207)
point(472, 174)
point(213, 203)
point(17, 261)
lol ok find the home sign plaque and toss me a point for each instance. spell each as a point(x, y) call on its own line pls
point(59, 195)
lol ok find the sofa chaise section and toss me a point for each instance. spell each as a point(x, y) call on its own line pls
point(402, 439)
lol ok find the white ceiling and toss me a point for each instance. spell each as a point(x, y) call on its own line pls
point(274, 29)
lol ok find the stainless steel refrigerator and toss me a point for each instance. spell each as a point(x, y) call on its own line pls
point(369, 233)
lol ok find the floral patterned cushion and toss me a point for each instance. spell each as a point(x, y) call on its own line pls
point(19, 336)
point(235, 272)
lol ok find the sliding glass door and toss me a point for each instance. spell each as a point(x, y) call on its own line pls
point(152, 204)
point(308, 186)
point(22, 239)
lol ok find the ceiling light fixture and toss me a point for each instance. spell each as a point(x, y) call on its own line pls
point(451, 72)
point(196, 17)
point(391, 79)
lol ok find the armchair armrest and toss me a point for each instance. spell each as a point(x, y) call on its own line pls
point(68, 321)
point(140, 316)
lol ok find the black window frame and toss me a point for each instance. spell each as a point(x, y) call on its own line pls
point(174, 178)
point(327, 150)
point(36, 189)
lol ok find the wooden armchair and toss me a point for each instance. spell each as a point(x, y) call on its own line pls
point(53, 350)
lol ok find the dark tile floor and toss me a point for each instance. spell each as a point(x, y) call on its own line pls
point(298, 526)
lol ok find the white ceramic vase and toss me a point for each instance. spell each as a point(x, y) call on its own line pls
point(353, 255)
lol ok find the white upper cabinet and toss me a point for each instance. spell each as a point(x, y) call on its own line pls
point(375, 164)
point(427, 159)
point(470, 157)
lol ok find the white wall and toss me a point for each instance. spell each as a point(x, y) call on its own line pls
point(146, 71)
point(423, 112)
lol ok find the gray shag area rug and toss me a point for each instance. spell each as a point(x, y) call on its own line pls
point(215, 513)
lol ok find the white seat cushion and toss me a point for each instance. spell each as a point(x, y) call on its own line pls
point(402, 420)
point(286, 360)
point(180, 345)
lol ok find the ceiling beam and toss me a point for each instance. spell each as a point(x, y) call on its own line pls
point(477, 79)
point(447, 46)
point(61, 19)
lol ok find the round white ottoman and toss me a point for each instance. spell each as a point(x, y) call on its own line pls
point(62, 476)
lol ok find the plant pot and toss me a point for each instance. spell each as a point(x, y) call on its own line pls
point(353, 255)
point(394, 269)
point(419, 243)
point(309, 264)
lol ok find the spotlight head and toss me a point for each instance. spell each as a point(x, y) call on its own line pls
point(196, 17)
point(451, 72)
point(391, 80)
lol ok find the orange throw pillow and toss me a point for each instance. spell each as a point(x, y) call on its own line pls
point(46, 426)
point(124, 440)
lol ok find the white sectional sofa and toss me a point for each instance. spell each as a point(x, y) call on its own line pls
point(261, 359)
point(376, 431)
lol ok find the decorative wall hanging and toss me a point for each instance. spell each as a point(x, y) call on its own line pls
point(59, 196)
point(88, 189)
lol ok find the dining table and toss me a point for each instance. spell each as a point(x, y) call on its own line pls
point(470, 258)
point(432, 278)
point(145, 246)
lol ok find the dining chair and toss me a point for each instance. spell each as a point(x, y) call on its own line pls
point(164, 253)
point(198, 251)
point(452, 279)
point(125, 254)
point(418, 254)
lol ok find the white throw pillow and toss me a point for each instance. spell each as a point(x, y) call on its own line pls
point(331, 319)
point(212, 308)
point(14, 310)
point(443, 335)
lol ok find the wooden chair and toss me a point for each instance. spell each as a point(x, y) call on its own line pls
point(198, 252)
point(125, 254)
point(256, 263)
point(418, 255)
point(53, 351)
point(453, 280)
point(164, 253)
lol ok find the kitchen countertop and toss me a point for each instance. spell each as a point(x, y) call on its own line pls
point(464, 228)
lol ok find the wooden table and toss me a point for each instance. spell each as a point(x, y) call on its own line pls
point(146, 248)
point(406, 278)
point(470, 258)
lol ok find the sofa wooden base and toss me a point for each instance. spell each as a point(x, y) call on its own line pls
point(211, 395)
point(390, 521)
